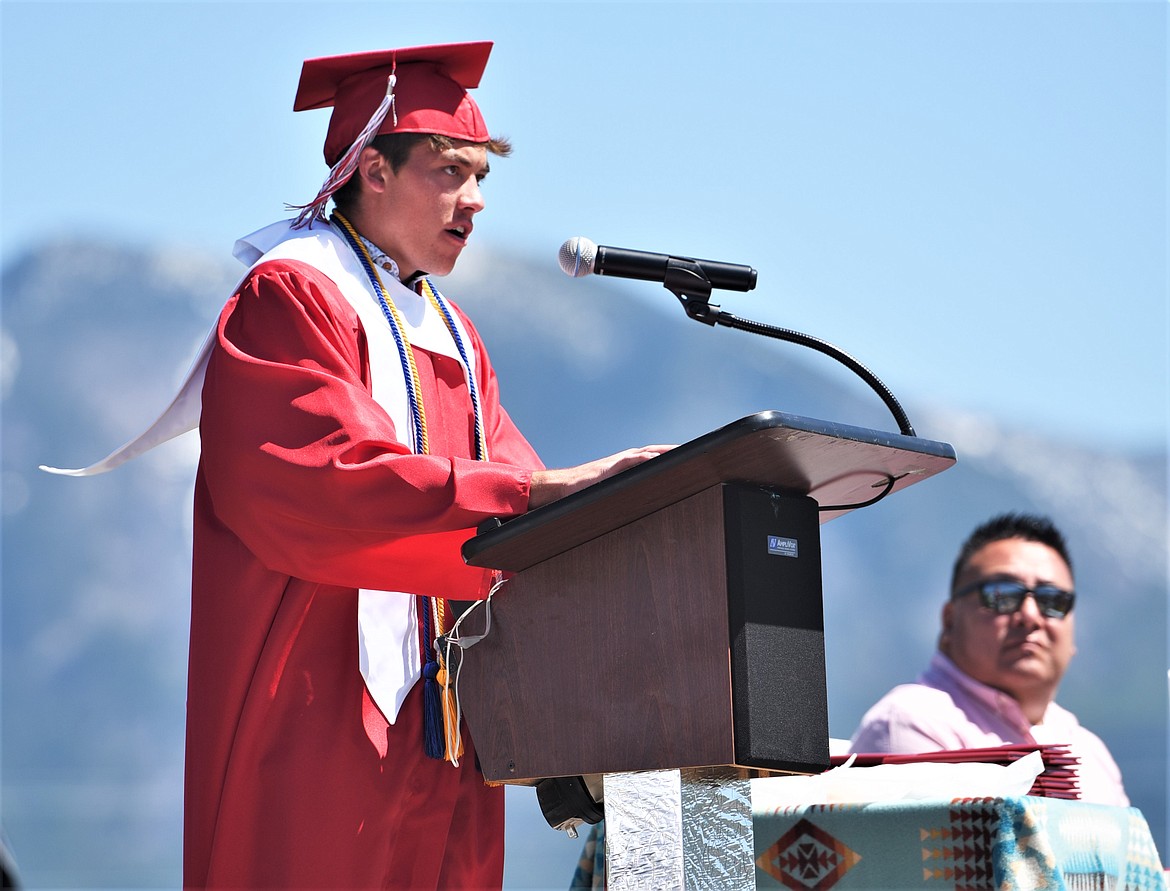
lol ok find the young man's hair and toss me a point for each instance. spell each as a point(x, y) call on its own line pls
point(1027, 527)
point(396, 149)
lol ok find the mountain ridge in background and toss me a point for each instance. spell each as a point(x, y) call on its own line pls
point(96, 571)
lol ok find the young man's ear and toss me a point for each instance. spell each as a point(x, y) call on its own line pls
point(373, 169)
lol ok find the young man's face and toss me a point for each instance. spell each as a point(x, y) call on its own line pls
point(1024, 653)
point(422, 215)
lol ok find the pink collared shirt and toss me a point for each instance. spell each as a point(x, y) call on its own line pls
point(948, 709)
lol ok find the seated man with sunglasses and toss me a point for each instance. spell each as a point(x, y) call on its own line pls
point(1006, 640)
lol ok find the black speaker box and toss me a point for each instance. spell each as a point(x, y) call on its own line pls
point(776, 629)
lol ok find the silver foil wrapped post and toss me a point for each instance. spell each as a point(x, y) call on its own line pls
point(685, 829)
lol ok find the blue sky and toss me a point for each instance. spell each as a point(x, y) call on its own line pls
point(969, 197)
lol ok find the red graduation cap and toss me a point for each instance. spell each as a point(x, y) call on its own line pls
point(430, 93)
point(421, 89)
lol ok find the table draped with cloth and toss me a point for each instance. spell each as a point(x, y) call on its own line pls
point(966, 844)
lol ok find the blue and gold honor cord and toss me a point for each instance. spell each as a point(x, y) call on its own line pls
point(440, 731)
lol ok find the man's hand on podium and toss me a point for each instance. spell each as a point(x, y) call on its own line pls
point(549, 485)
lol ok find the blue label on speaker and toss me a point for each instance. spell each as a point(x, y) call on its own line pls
point(785, 547)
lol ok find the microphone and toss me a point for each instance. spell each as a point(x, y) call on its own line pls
point(580, 256)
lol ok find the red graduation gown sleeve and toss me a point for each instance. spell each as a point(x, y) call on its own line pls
point(309, 470)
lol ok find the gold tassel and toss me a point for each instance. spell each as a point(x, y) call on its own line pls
point(451, 735)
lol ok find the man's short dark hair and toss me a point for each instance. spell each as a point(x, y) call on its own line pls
point(396, 148)
point(1028, 527)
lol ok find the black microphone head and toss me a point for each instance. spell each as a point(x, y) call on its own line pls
point(577, 256)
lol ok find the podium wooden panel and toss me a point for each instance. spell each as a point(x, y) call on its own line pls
point(650, 623)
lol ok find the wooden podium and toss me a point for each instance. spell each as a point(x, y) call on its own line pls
point(670, 617)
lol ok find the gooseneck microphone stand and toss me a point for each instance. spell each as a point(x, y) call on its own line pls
point(685, 279)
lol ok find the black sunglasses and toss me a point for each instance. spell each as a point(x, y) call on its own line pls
point(1005, 596)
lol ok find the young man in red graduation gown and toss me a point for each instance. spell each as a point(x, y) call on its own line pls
point(352, 439)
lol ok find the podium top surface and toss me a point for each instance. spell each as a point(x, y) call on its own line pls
point(840, 466)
